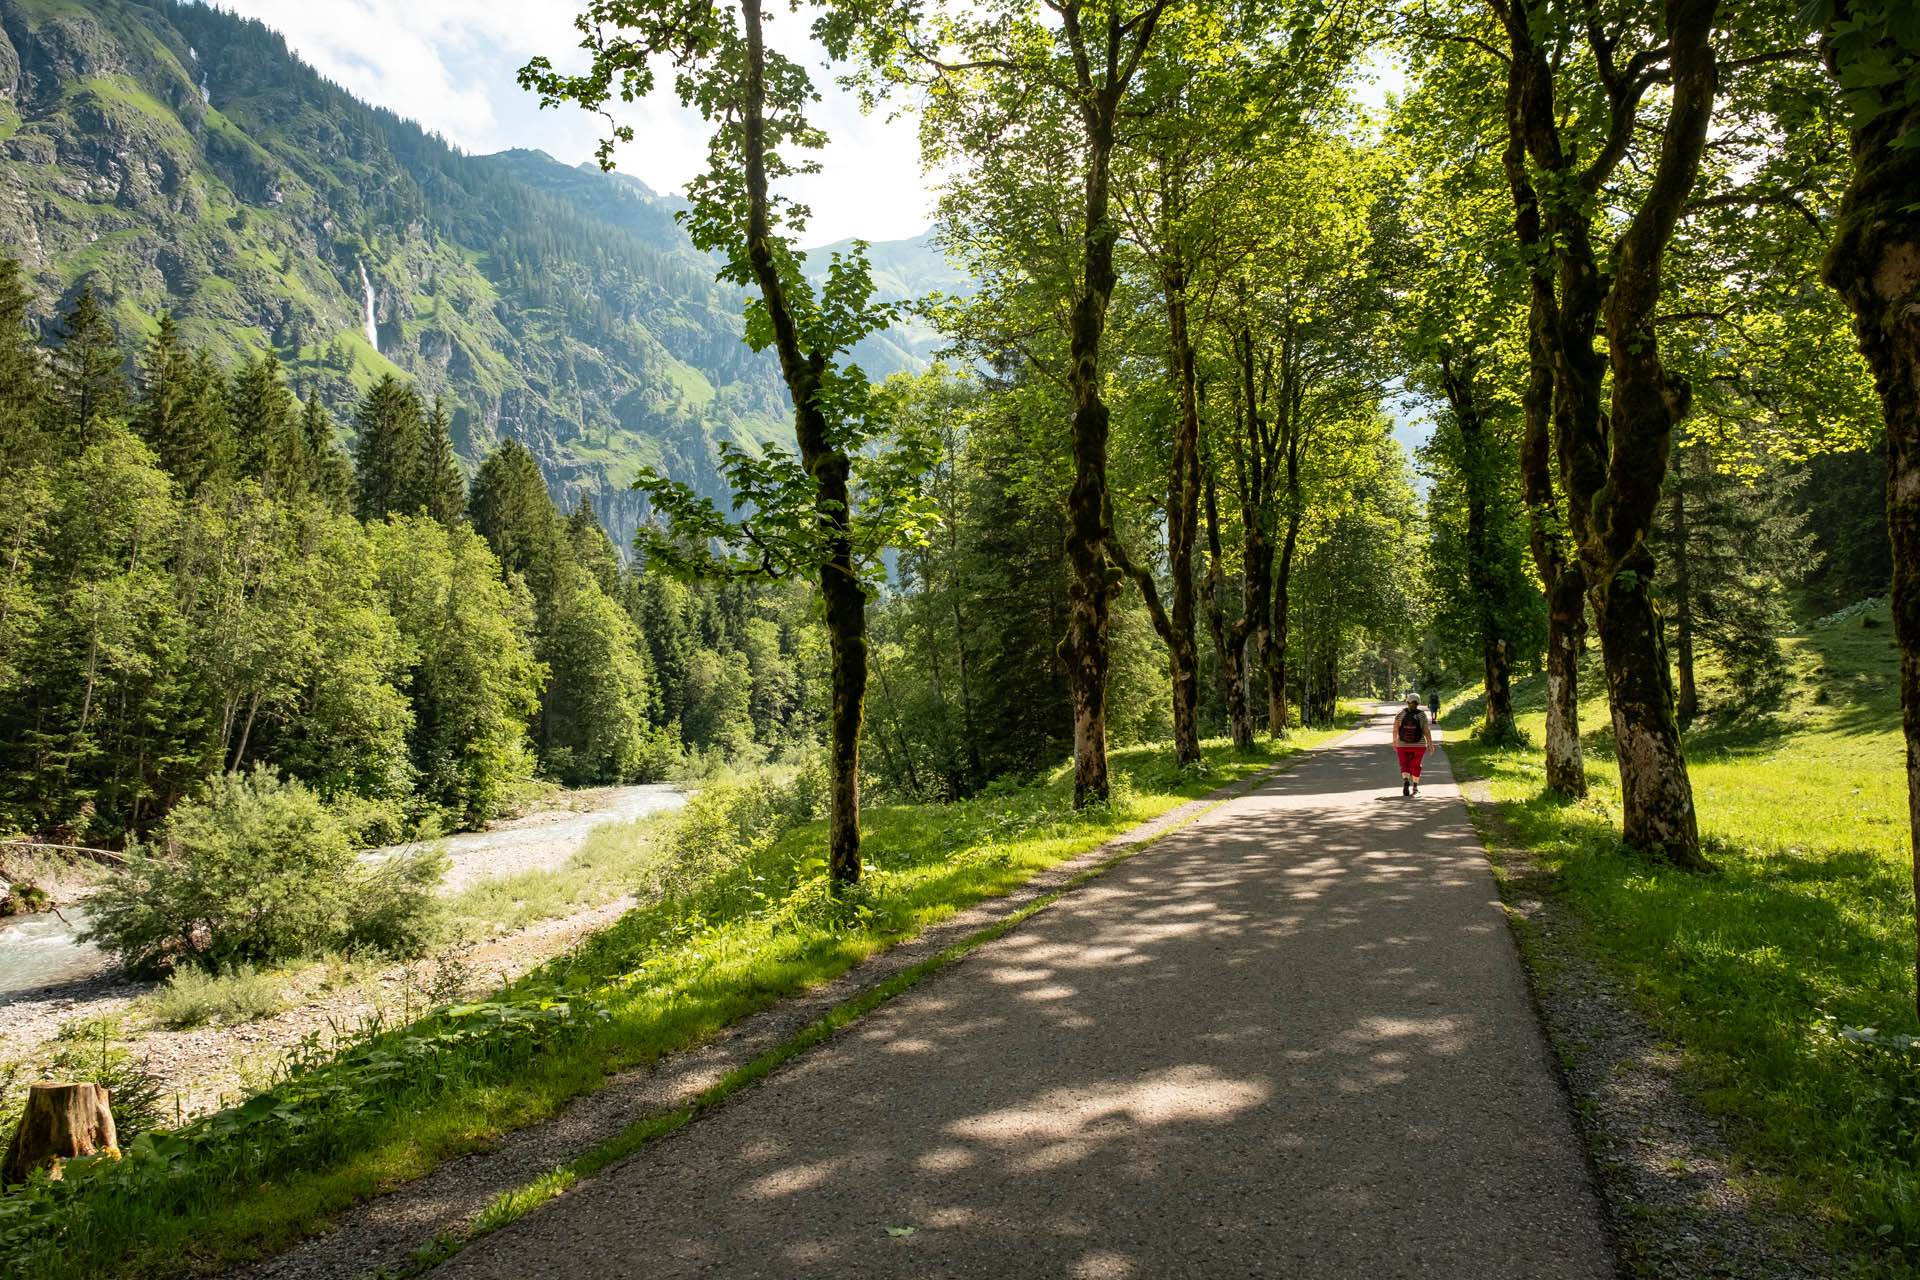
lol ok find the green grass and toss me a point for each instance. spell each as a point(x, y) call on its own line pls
point(1806, 929)
point(667, 975)
point(612, 860)
point(193, 997)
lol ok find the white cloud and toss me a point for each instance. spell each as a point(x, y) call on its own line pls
point(450, 64)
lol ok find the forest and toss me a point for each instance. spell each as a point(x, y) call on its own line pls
point(1570, 377)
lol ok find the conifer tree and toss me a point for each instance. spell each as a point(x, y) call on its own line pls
point(329, 473)
point(22, 373)
point(86, 372)
point(181, 410)
point(1728, 545)
point(510, 507)
point(388, 453)
point(164, 370)
point(270, 448)
point(443, 488)
point(592, 549)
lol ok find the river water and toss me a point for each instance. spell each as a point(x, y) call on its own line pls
point(41, 950)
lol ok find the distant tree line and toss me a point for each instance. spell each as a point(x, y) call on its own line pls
point(196, 579)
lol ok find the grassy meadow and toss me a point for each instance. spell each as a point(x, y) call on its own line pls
point(1805, 933)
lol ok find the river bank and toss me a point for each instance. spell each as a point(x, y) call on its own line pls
point(55, 990)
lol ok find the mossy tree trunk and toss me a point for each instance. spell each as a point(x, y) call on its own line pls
point(1874, 263)
point(1560, 574)
point(1613, 456)
point(1175, 623)
point(1094, 579)
point(1479, 475)
point(805, 372)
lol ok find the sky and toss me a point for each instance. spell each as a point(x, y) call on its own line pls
point(450, 65)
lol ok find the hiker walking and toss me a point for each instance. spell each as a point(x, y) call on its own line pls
point(1433, 703)
point(1412, 738)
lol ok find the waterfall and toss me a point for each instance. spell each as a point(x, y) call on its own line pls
point(206, 94)
point(366, 287)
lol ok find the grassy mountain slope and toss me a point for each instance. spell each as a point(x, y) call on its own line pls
point(177, 156)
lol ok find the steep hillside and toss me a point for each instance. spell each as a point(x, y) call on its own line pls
point(176, 156)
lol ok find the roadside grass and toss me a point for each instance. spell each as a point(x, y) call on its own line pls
point(1806, 932)
point(387, 1105)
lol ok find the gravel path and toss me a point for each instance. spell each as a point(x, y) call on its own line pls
point(1291, 1038)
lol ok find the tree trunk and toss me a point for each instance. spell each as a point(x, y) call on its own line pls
point(1874, 263)
point(1689, 704)
point(1232, 691)
point(1566, 634)
point(1274, 654)
point(840, 588)
point(61, 1121)
point(1612, 520)
point(1612, 458)
point(1655, 792)
point(1478, 475)
point(1094, 580)
point(1183, 522)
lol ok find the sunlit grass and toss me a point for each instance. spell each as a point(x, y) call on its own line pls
point(1806, 928)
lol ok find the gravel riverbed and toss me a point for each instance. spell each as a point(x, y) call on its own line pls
point(205, 1067)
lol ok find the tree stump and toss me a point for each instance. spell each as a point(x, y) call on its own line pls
point(61, 1121)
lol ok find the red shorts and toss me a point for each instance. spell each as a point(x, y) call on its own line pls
point(1410, 758)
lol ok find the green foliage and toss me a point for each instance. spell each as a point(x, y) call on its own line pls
point(1756, 973)
point(472, 674)
point(256, 873)
point(669, 974)
point(193, 997)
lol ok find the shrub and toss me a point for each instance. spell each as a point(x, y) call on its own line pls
point(259, 872)
point(193, 997)
point(23, 899)
point(395, 910)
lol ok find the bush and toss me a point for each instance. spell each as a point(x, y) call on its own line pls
point(258, 872)
point(395, 909)
point(192, 998)
point(23, 899)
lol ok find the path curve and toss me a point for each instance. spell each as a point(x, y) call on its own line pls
point(1292, 1038)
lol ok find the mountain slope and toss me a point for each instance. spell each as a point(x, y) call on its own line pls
point(176, 156)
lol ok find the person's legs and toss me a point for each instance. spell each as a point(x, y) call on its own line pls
point(1409, 768)
point(1414, 757)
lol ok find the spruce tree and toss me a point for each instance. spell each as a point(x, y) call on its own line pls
point(329, 473)
point(443, 488)
point(86, 373)
point(387, 455)
point(1728, 545)
point(592, 549)
point(270, 448)
point(510, 507)
point(23, 399)
point(181, 410)
point(206, 448)
point(164, 369)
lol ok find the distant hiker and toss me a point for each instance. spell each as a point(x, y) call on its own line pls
point(1433, 704)
point(1412, 737)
